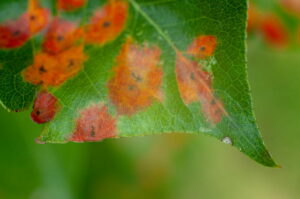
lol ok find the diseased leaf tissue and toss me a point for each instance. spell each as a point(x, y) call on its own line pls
point(111, 68)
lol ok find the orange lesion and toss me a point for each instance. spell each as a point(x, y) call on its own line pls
point(203, 46)
point(61, 35)
point(38, 16)
point(53, 70)
point(137, 79)
point(94, 124)
point(69, 5)
point(194, 83)
point(61, 58)
point(107, 23)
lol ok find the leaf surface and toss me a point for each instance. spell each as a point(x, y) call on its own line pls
point(142, 67)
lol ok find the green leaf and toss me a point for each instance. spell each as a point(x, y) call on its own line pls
point(157, 35)
point(15, 95)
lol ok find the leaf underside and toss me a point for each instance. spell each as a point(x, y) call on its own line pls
point(157, 34)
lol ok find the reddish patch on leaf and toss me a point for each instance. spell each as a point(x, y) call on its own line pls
point(53, 70)
point(107, 23)
point(195, 85)
point(37, 16)
point(69, 5)
point(137, 79)
point(274, 31)
point(60, 36)
point(44, 108)
point(292, 6)
point(94, 124)
point(14, 34)
point(203, 46)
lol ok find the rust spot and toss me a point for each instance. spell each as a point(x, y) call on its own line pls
point(203, 46)
point(69, 5)
point(198, 88)
point(94, 124)
point(53, 70)
point(44, 108)
point(137, 79)
point(37, 16)
point(60, 36)
point(15, 33)
point(107, 23)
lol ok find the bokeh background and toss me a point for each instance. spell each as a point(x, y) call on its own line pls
point(174, 166)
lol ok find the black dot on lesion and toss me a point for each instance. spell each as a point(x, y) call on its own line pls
point(42, 69)
point(192, 76)
point(71, 63)
point(38, 112)
point(202, 48)
point(106, 24)
point(16, 33)
point(60, 38)
point(131, 87)
point(213, 102)
point(136, 77)
point(92, 131)
point(32, 17)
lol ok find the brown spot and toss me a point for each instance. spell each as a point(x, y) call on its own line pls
point(42, 69)
point(32, 17)
point(59, 38)
point(106, 24)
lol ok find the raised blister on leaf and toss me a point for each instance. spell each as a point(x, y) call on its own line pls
point(94, 124)
point(107, 23)
point(195, 85)
point(14, 33)
point(60, 36)
point(203, 46)
point(44, 108)
point(37, 16)
point(137, 79)
point(69, 5)
point(274, 31)
point(53, 70)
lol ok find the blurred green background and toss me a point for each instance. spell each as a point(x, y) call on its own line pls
point(174, 166)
